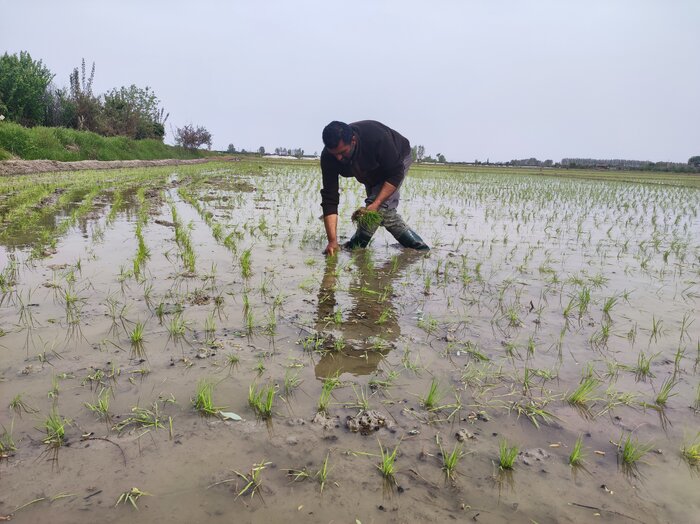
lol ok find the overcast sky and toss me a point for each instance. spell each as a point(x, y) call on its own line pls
point(496, 79)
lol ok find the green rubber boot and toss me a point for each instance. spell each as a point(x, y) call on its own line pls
point(359, 239)
point(411, 239)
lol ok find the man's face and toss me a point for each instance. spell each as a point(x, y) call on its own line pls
point(344, 152)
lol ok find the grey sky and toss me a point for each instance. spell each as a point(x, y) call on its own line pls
point(497, 79)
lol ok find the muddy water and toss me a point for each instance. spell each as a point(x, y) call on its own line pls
point(482, 314)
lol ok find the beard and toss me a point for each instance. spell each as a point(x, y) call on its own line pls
point(346, 161)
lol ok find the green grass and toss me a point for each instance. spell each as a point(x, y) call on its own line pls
point(576, 456)
point(584, 393)
point(131, 496)
point(7, 442)
point(506, 455)
point(432, 398)
point(101, 405)
point(203, 401)
point(691, 452)
point(366, 219)
point(388, 463)
point(631, 451)
point(665, 391)
point(324, 399)
point(55, 427)
point(262, 399)
point(58, 143)
point(450, 460)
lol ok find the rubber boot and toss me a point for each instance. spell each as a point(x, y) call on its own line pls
point(411, 239)
point(359, 239)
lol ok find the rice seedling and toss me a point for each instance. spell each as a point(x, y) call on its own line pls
point(136, 335)
point(176, 327)
point(291, 381)
point(246, 270)
point(451, 460)
point(7, 442)
point(577, 455)
point(101, 405)
point(506, 455)
point(232, 360)
point(656, 329)
point(631, 451)
point(322, 474)
point(367, 219)
point(142, 417)
point(361, 398)
point(691, 451)
point(387, 465)
point(583, 395)
point(55, 427)
point(131, 496)
point(261, 400)
point(665, 391)
point(643, 368)
point(432, 399)
point(18, 405)
point(203, 401)
point(329, 384)
point(253, 480)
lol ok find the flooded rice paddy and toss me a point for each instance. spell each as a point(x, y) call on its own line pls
point(173, 340)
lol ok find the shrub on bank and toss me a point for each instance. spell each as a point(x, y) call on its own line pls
point(63, 144)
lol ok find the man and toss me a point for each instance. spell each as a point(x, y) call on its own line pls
point(379, 158)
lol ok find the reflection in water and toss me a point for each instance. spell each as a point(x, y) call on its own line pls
point(357, 340)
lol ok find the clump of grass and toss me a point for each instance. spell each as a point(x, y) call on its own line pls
point(253, 479)
point(432, 398)
point(7, 442)
point(324, 399)
point(291, 382)
point(101, 406)
point(322, 474)
point(450, 460)
point(142, 417)
point(506, 455)
point(367, 219)
point(55, 426)
point(643, 368)
point(583, 394)
point(203, 401)
point(388, 463)
point(691, 452)
point(131, 496)
point(665, 391)
point(262, 399)
point(631, 451)
point(576, 456)
point(18, 405)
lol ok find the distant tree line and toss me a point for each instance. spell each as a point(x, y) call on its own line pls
point(28, 96)
point(693, 164)
point(418, 155)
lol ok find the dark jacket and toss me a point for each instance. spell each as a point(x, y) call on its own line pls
point(378, 158)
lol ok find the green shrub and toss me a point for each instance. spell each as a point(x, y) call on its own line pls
point(63, 144)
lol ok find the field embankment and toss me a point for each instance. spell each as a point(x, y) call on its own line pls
point(69, 145)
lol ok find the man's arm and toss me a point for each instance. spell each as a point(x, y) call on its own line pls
point(385, 192)
point(331, 224)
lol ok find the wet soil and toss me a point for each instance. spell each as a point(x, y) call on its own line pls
point(481, 314)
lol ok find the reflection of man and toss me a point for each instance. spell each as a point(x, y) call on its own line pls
point(379, 158)
point(370, 327)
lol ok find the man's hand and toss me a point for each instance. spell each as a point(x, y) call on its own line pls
point(332, 248)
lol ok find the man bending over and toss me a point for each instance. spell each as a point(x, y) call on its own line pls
point(377, 157)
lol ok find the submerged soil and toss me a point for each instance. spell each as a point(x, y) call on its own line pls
point(506, 315)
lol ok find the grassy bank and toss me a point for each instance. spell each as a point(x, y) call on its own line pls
point(58, 143)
